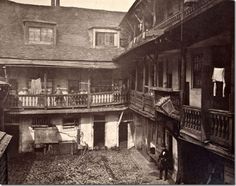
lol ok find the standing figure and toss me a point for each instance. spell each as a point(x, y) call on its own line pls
point(59, 96)
point(163, 162)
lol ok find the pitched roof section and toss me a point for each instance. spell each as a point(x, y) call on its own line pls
point(73, 37)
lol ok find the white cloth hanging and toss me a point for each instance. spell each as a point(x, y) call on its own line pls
point(36, 86)
point(218, 75)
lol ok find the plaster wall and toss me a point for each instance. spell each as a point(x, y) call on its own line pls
point(112, 130)
point(86, 131)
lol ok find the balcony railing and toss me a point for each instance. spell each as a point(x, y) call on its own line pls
point(222, 127)
point(143, 102)
point(66, 101)
point(191, 120)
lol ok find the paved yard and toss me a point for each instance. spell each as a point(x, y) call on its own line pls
point(95, 167)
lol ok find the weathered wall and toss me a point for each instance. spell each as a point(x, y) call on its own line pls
point(86, 130)
point(111, 130)
point(131, 135)
point(26, 141)
point(138, 138)
point(175, 158)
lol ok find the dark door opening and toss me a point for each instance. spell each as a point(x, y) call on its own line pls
point(14, 144)
point(123, 135)
point(99, 134)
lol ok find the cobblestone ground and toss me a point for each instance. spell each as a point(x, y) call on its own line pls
point(94, 167)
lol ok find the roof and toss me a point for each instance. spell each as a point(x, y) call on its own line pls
point(58, 64)
point(73, 37)
point(4, 141)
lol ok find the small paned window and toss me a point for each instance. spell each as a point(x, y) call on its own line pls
point(105, 39)
point(196, 70)
point(40, 35)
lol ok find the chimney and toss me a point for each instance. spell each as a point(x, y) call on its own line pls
point(53, 3)
point(57, 2)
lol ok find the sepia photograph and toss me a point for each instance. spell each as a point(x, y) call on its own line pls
point(117, 92)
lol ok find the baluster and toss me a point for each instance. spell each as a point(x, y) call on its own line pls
point(226, 128)
point(211, 120)
point(216, 126)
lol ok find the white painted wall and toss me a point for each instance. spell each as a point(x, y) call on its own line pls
point(26, 136)
point(175, 158)
point(130, 135)
point(86, 130)
point(111, 130)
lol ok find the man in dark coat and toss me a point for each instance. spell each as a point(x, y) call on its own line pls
point(163, 163)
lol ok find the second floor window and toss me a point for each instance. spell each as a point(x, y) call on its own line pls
point(196, 70)
point(40, 35)
point(105, 39)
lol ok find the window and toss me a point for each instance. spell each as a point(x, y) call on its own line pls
point(39, 32)
point(196, 70)
point(40, 35)
point(105, 39)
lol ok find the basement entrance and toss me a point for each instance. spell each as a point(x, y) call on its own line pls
point(99, 134)
point(123, 135)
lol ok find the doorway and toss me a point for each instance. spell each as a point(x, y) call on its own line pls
point(123, 135)
point(99, 134)
point(14, 144)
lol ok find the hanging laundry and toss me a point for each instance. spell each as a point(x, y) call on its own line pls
point(218, 75)
point(36, 86)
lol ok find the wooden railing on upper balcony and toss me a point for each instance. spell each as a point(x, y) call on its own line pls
point(66, 100)
point(142, 102)
point(222, 127)
point(191, 121)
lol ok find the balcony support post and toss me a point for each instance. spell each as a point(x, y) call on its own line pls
point(89, 89)
point(45, 89)
point(206, 102)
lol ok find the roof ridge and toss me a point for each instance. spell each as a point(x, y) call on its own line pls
point(66, 7)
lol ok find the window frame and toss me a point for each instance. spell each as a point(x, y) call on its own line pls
point(39, 25)
point(116, 33)
point(198, 72)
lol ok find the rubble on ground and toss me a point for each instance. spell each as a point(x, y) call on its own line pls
point(93, 167)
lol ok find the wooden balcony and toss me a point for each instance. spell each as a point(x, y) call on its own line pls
point(65, 101)
point(191, 122)
point(222, 127)
point(142, 102)
point(188, 13)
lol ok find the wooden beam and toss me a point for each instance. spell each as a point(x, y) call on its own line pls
point(129, 24)
point(154, 12)
point(144, 76)
point(149, 76)
point(45, 89)
point(136, 77)
point(89, 89)
point(136, 16)
point(121, 116)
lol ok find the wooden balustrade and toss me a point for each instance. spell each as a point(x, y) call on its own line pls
point(65, 101)
point(222, 127)
point(191, 119)
point(149, 104)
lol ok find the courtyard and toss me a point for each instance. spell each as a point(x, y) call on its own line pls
point(91, 167)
